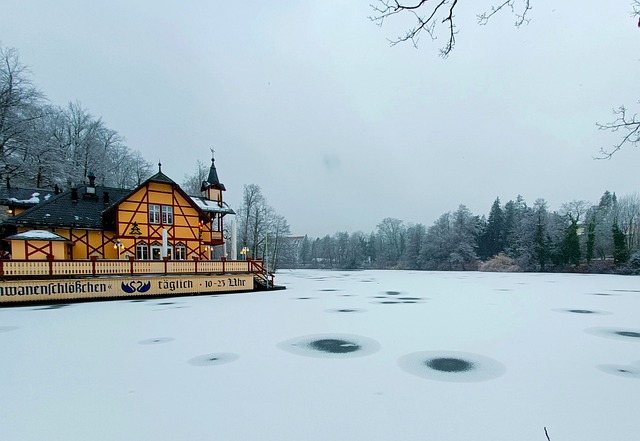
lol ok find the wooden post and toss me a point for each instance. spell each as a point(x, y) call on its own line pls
point(195, 259)
point(224, 259)
point(166, 259)
point(93, 264)
point(131, 259)
point(50, 259)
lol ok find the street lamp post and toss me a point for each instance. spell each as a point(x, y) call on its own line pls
point(118, 245)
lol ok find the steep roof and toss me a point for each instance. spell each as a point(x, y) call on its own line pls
point(212, 179)
point(158, 177)
point(37, 235)
point(24, 197)
point(62, 211)
point(212, 206)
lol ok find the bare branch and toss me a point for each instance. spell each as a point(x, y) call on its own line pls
point(521, 17)
point(547, 434)
point(628, 124)
point(427, 16)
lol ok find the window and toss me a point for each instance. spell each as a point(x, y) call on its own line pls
point(154, 214)
point(156, 252)
point(181, 252)
point(167, 214)
point(142, 251)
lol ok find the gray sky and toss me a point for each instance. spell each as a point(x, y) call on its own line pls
point(307, 100)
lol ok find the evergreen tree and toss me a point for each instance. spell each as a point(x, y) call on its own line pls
point(492, 240)
point(571, 244)
point(591, 237)
point(620, 251)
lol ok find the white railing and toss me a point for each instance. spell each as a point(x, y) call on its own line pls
point(57, 268)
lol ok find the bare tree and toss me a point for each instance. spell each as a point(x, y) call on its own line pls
point(20, 108)
point(625, 122)
point(429, 16)
point(193, 183)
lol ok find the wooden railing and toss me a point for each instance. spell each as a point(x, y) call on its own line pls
point(59, 268)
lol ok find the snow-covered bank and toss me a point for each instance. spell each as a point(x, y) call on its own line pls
point(338, 355)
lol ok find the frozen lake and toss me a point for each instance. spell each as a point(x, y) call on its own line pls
point(367, 355)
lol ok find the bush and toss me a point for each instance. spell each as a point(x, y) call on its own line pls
point(500, 263)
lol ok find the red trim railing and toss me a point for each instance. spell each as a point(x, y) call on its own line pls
point(109, 267)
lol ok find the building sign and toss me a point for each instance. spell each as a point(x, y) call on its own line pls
point(113, 287)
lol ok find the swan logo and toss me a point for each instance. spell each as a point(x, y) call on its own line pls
point(135, 286)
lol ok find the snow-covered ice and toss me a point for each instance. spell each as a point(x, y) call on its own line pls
point(366, 355)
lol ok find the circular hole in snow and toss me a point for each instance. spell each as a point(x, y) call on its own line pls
point(346, 310)
point(155, 340)
point(331, 346)
point(449, 364)
point(616, 333)
point(452, 366)
point(621, 370)
point(214, 359)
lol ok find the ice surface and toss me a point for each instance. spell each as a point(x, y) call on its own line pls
point(475, 356)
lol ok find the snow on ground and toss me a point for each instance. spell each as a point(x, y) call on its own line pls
point(369, 355)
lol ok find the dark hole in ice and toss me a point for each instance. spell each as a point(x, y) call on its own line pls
point(623, 370)
point(346, 310)
point(213, 359)
point(165, 303)
point(628, 334)
point(409, 298)
point(393, 293)
point(388, 302)
point(329, 289)
point(304, 298)
point(581, 311)
point(409, 301)
point(155, 341)
point(449, 364)
point(334, 346)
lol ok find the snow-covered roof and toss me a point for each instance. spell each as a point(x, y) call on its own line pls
point(34, 199)
point(36, 235)
point(212, 206)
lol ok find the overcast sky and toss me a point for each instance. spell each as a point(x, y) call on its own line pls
point(307, 100)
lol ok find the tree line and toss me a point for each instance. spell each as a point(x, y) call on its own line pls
point(43, 145)
point(580, 236)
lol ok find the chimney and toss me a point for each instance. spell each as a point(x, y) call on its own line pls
point(91, 188)
point(8, 182)
point(74, 195)
point(105, 197)
point(56, 189)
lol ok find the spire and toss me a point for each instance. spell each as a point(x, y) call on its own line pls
point(212, 180)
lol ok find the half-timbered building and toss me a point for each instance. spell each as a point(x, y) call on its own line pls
point(154, 221)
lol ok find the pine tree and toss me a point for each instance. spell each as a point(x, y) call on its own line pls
point(620, 251)
point(492, 240)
